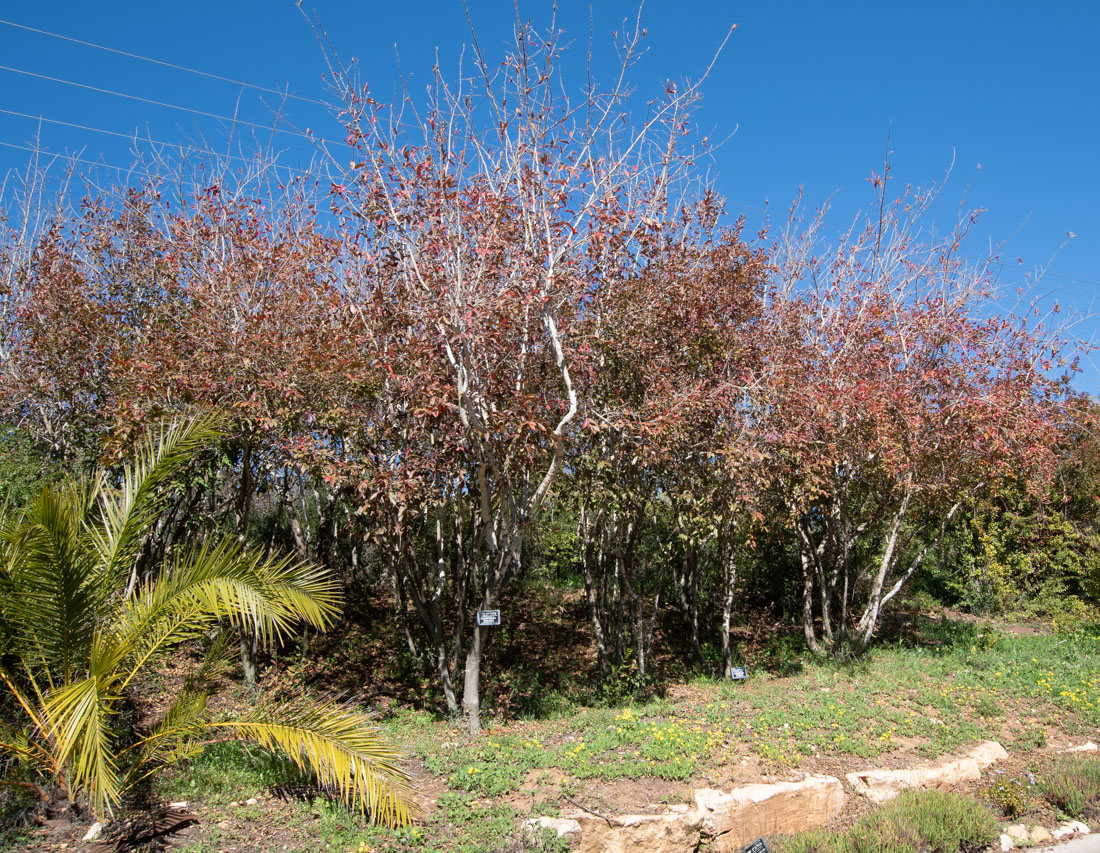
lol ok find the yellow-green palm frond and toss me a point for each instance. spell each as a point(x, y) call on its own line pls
point(178, 733)
point(223, 580)
point(22, 746)
point(349, 757)
point(127, 513)
point(177, 736)
point(50, 600)
point(79, 716)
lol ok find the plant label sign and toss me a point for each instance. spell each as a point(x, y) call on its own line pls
point(740, 673)
point(758, 846)
point(488, 617)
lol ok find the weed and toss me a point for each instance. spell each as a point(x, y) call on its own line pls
point(1010, 795)
point(1073, 785)
point(916, 821)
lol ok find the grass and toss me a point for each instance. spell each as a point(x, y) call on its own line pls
point(917, 821)
point(1073, 786)
point(941, 688)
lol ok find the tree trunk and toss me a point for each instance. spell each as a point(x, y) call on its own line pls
point(471, 685)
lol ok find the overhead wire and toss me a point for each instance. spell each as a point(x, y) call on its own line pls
point(134, 137)
point(122, 169)
point(163, 63)
point(190, 110)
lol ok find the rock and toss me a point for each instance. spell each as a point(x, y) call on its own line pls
point(251, 801)
point(182, 804)
point(560, 825)
point(1078, 827)
point(744, 814)
point(987, 753)
point(1006, 842)
point(223, 824)
point(674, 831)
point(1018, 833)
point(879, 786)
point(94, 831)
point(1040, 835)
point(1062, 832)
point(1087, 746)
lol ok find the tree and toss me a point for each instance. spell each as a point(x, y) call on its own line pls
point(485, 222)
point(896, 390)
point(79, 631)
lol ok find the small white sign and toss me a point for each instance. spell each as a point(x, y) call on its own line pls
point(488, 617)
point(739, 673)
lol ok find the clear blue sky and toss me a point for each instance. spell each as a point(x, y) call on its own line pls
point(811, 88)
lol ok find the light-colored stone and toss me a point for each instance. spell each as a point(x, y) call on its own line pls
point(1006, 842)
point(1079, 827)
point(1087, 746)
point(561, 826)
point(1040, 835)
point(251, 801)
point(880, 786)
point(736, 818)
point(1018, 833)
point(182, 804)
point(674, 831)
point(987, 753)
point(94, 831)
point(1062, 832)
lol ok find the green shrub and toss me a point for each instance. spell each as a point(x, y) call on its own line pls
point(1073, 786)
point(916, 822)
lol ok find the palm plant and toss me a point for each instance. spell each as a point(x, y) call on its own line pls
point(79, 630)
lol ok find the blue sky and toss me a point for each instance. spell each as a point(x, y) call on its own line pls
point(809, 91)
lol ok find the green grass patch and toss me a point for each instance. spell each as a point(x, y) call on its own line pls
point(225, 772)
point(915, 822)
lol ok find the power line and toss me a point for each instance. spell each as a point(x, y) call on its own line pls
point(163, 63)
point(1076, 279)
point(217, 116)
point(100, 164)
point(135, 137)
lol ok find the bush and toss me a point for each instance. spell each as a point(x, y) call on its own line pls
point(917, 821)
point(1011, 795)
point(1073, 786)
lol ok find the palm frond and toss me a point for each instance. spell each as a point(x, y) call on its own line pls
point(21, 744)
point(127, 514)
point(349, 756)
point(175, 737)
point(223, 580)
point(53, 600)
point(80, 715)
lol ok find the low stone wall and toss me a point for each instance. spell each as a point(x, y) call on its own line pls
point(731, 820)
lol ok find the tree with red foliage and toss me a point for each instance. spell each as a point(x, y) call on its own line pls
point(486, 223)
point(895, 391)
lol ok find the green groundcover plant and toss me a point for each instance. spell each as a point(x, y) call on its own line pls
point(80, 630)
point(916, 822)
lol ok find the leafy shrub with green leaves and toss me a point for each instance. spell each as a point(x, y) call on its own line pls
point(80, 631)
